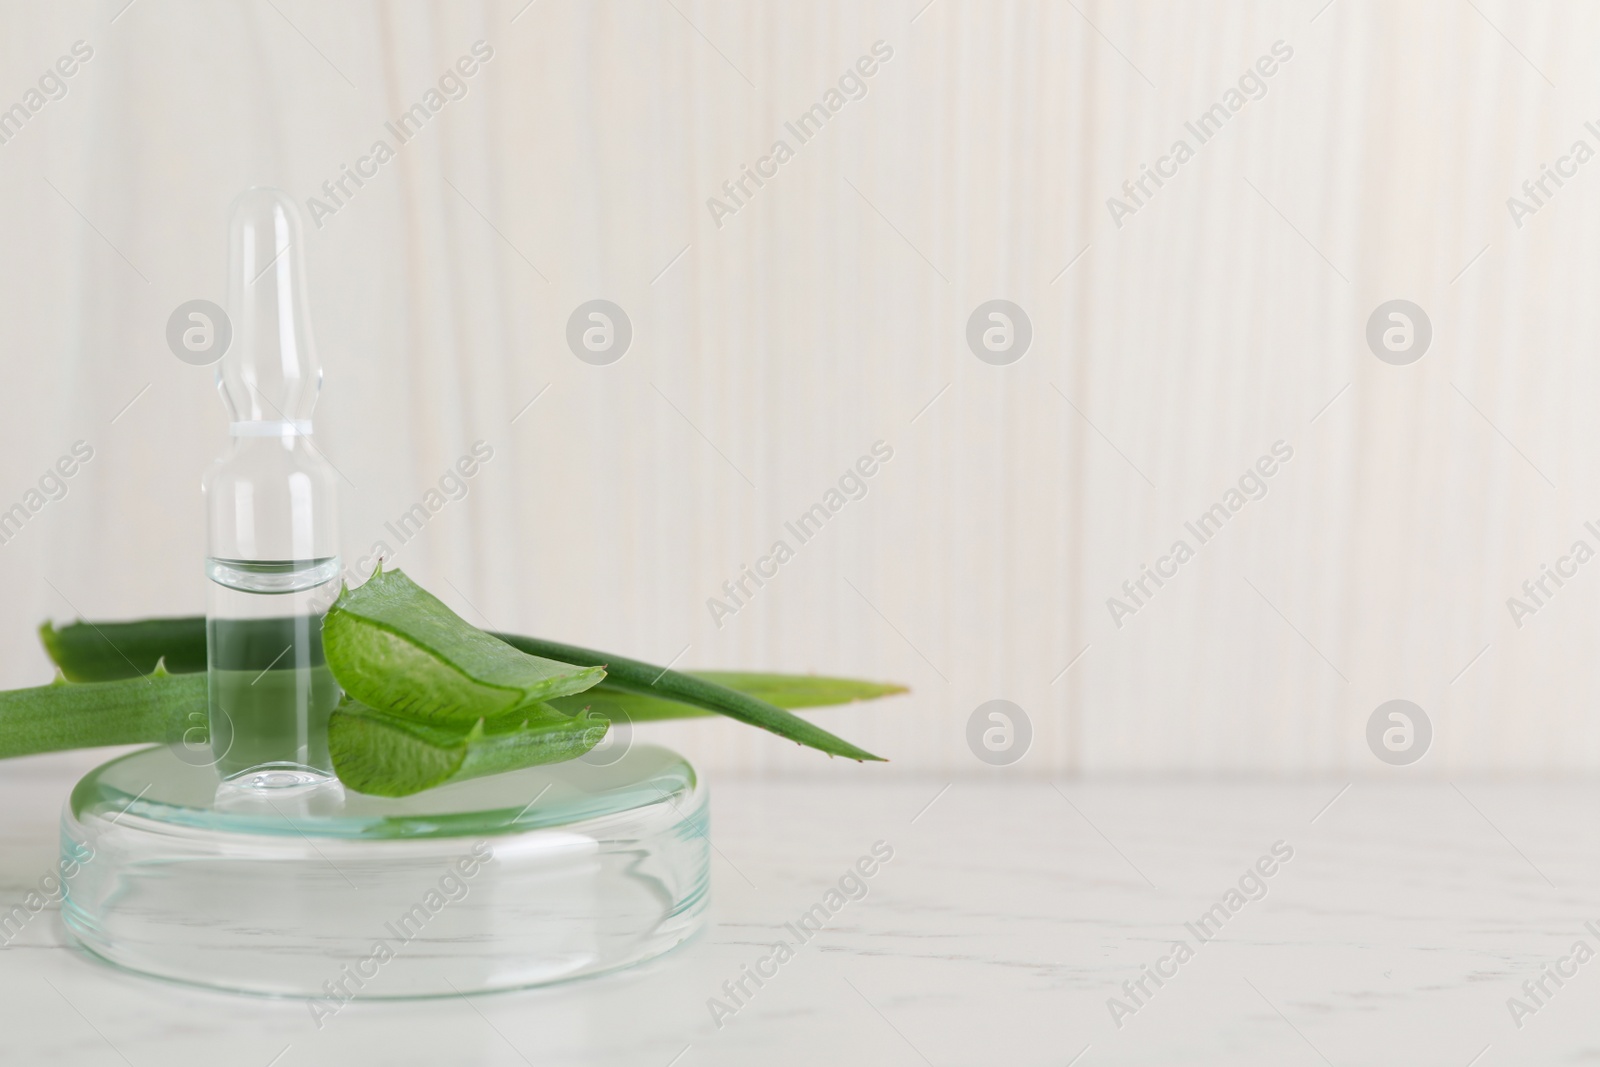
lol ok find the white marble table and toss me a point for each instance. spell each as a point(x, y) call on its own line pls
point(1012, 910)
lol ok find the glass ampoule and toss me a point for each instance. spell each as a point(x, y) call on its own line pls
point(272, 560)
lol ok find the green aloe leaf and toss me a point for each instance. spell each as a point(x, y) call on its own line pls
point(783, 690)
point(50, 718)
point(96, 651)
point(386, 755)
point(394, 646)
point(372, 752)
point(109, 651)
point(646, 679)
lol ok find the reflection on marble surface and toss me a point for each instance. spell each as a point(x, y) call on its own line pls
point(1014, 914)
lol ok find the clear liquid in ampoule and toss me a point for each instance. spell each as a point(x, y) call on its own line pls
point(270, 689)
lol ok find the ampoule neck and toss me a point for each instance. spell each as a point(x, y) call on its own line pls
point(282, 429)
point(270, 376)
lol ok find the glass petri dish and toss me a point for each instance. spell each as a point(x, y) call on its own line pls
point(519, 879)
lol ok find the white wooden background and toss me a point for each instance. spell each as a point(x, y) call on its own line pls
point(830, 312)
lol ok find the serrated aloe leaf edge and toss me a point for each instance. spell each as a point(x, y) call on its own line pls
point(396, 647)
point(388, 755)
